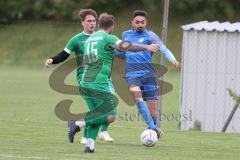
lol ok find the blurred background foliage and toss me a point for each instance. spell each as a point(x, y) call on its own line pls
point(68, 9)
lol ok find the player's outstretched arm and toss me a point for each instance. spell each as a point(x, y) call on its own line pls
point(164, 50)
point(60, 57)
point(128, 46)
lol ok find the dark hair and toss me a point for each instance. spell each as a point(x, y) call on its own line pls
point(84, 12)
point(105, 21)
point(139, 13)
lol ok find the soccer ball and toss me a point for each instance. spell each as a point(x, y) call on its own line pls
point(149, 138)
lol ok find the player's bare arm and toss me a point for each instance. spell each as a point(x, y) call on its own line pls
point(128, 46)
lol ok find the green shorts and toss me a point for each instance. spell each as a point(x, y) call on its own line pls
point(99, 102)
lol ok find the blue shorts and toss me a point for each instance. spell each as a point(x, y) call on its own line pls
point(148, 86)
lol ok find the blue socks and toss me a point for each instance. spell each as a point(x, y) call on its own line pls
point(154, 120)
point(145, 113)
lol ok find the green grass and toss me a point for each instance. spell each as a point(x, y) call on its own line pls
point(29, 128)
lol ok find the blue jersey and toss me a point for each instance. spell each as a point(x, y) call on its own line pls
point(140, 63)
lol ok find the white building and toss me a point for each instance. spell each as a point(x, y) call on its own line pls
point(211, 64)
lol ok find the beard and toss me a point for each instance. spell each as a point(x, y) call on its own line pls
point(140, 29)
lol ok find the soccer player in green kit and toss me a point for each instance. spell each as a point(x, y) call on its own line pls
point(76, 44)
point(96, 84)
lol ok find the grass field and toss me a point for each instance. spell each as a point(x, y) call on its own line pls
point(29, 128)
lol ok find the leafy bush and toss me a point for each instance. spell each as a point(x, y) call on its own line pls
point(67, 10)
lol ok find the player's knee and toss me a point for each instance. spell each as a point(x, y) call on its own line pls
point(137, 96)
point(136, 93)
point(111, 118)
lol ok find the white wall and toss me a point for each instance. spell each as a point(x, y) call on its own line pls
point(211, 64)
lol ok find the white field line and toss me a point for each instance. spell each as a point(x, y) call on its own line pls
point(22, 157)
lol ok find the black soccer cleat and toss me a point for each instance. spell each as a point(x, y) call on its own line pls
point(88, 150)
point(159, 132)
point(73, 129)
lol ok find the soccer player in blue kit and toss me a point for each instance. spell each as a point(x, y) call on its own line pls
point(140, 73)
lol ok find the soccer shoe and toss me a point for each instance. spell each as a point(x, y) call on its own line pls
point(159, 132)
point(73, 129)
point(88, 150)
point(83, 140)
point(104, 136)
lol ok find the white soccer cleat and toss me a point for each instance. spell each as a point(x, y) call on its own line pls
point(83, 140)
point(104, 136)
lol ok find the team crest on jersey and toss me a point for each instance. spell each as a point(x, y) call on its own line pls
point(141, 40)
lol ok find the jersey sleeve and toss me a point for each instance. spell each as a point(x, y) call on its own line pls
point(118, 53)
point(70, 47)
point(163, 49)
point(111, 41)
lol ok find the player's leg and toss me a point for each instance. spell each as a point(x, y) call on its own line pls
point(103, 113)
point(93, 128)
point(150, 94)
point(135, 90)
point(91, 136)
point(105, 108)
point(83, 139)
point(73, 128)
point(91, 104)
point(152, 105)
point(103, 134)
point(104, 127)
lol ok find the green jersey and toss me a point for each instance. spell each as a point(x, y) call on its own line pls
point(76, 44)
point(98, 56)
